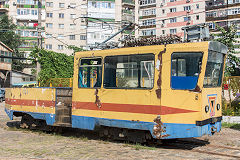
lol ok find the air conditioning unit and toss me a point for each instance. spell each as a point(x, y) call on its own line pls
point(162, 25)
point(161, 5)
point(188, 22)
point(187, 1)
point(188, 11)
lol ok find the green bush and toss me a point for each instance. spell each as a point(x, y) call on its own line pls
point(232, 109)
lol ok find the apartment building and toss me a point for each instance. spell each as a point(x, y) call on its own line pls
point(65, 25)
point(164, 17)
point(5, 65)
point(24, 14)
point(100, 22)
point(106, 17)
point(224, 13)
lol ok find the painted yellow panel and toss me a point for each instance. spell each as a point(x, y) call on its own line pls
point(38, 109)
point(33, 93)
point(40, 100)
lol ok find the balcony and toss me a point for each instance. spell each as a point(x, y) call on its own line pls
point(149, 16)
point(4, 7)
point(150, 36)
point(148, 26)
point(212, 6)
point(129, 18)
point(125, 11)
point(128, 3)
point(28, 27)
point(147, 3)
point(222, 18)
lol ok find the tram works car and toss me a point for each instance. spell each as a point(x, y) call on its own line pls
point(138, 93)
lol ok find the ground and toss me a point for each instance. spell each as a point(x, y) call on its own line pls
point(26, 144)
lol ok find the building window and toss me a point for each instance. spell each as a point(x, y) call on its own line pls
point(61, 26)
point(173, 31)
point(233, 11)
point(197, 17)
point(172, 0)
point(129, 71)
point(173, 20)
point(197, 6)
point(148, 12)
point(49, 4)
point(163, 11)
point(60, 36)
point(49, 25)
point(48, 35)
point(61, 15)
point(34, 12)
point(211, 25)
point(173, 9)
point(72, 5)
point(187, 19)
point(149, 32)
point(163, 31)
point(72, 37)
point(48, 46)
point(83, 37)
point(61, 5)
point(149, 22)
point(72, 16)
point(49, 15)
point(72, 26)
point(187, 8)
point(60, 47)
point(147, 2)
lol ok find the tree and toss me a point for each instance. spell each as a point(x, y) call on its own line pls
point(227, 37)
point(9, 37)
point(75, 48)
point(53, 65)
point(8, 33)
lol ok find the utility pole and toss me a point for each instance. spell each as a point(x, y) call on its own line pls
point(39, 28)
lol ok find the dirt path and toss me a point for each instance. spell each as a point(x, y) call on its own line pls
point(26, 144)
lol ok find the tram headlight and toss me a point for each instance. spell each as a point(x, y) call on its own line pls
point(218, 106)
point(206, 108)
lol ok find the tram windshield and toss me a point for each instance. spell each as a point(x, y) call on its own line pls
point(214, 69)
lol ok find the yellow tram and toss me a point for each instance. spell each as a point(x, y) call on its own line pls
point(137, 93)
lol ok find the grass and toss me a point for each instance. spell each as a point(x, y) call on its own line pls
point(231, 125)
point(139, 146)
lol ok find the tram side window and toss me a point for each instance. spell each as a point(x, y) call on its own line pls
point(90, 73)
point(129, 71)
point(185, 70)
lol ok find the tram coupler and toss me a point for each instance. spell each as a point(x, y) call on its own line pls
point(213, 130)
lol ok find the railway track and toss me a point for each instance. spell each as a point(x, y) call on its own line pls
point(205, 148)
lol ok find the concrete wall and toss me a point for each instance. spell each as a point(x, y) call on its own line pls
point(231, 119)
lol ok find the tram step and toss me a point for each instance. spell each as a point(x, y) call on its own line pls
point(63, 119)
point(63, 111)
point(63, 124)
